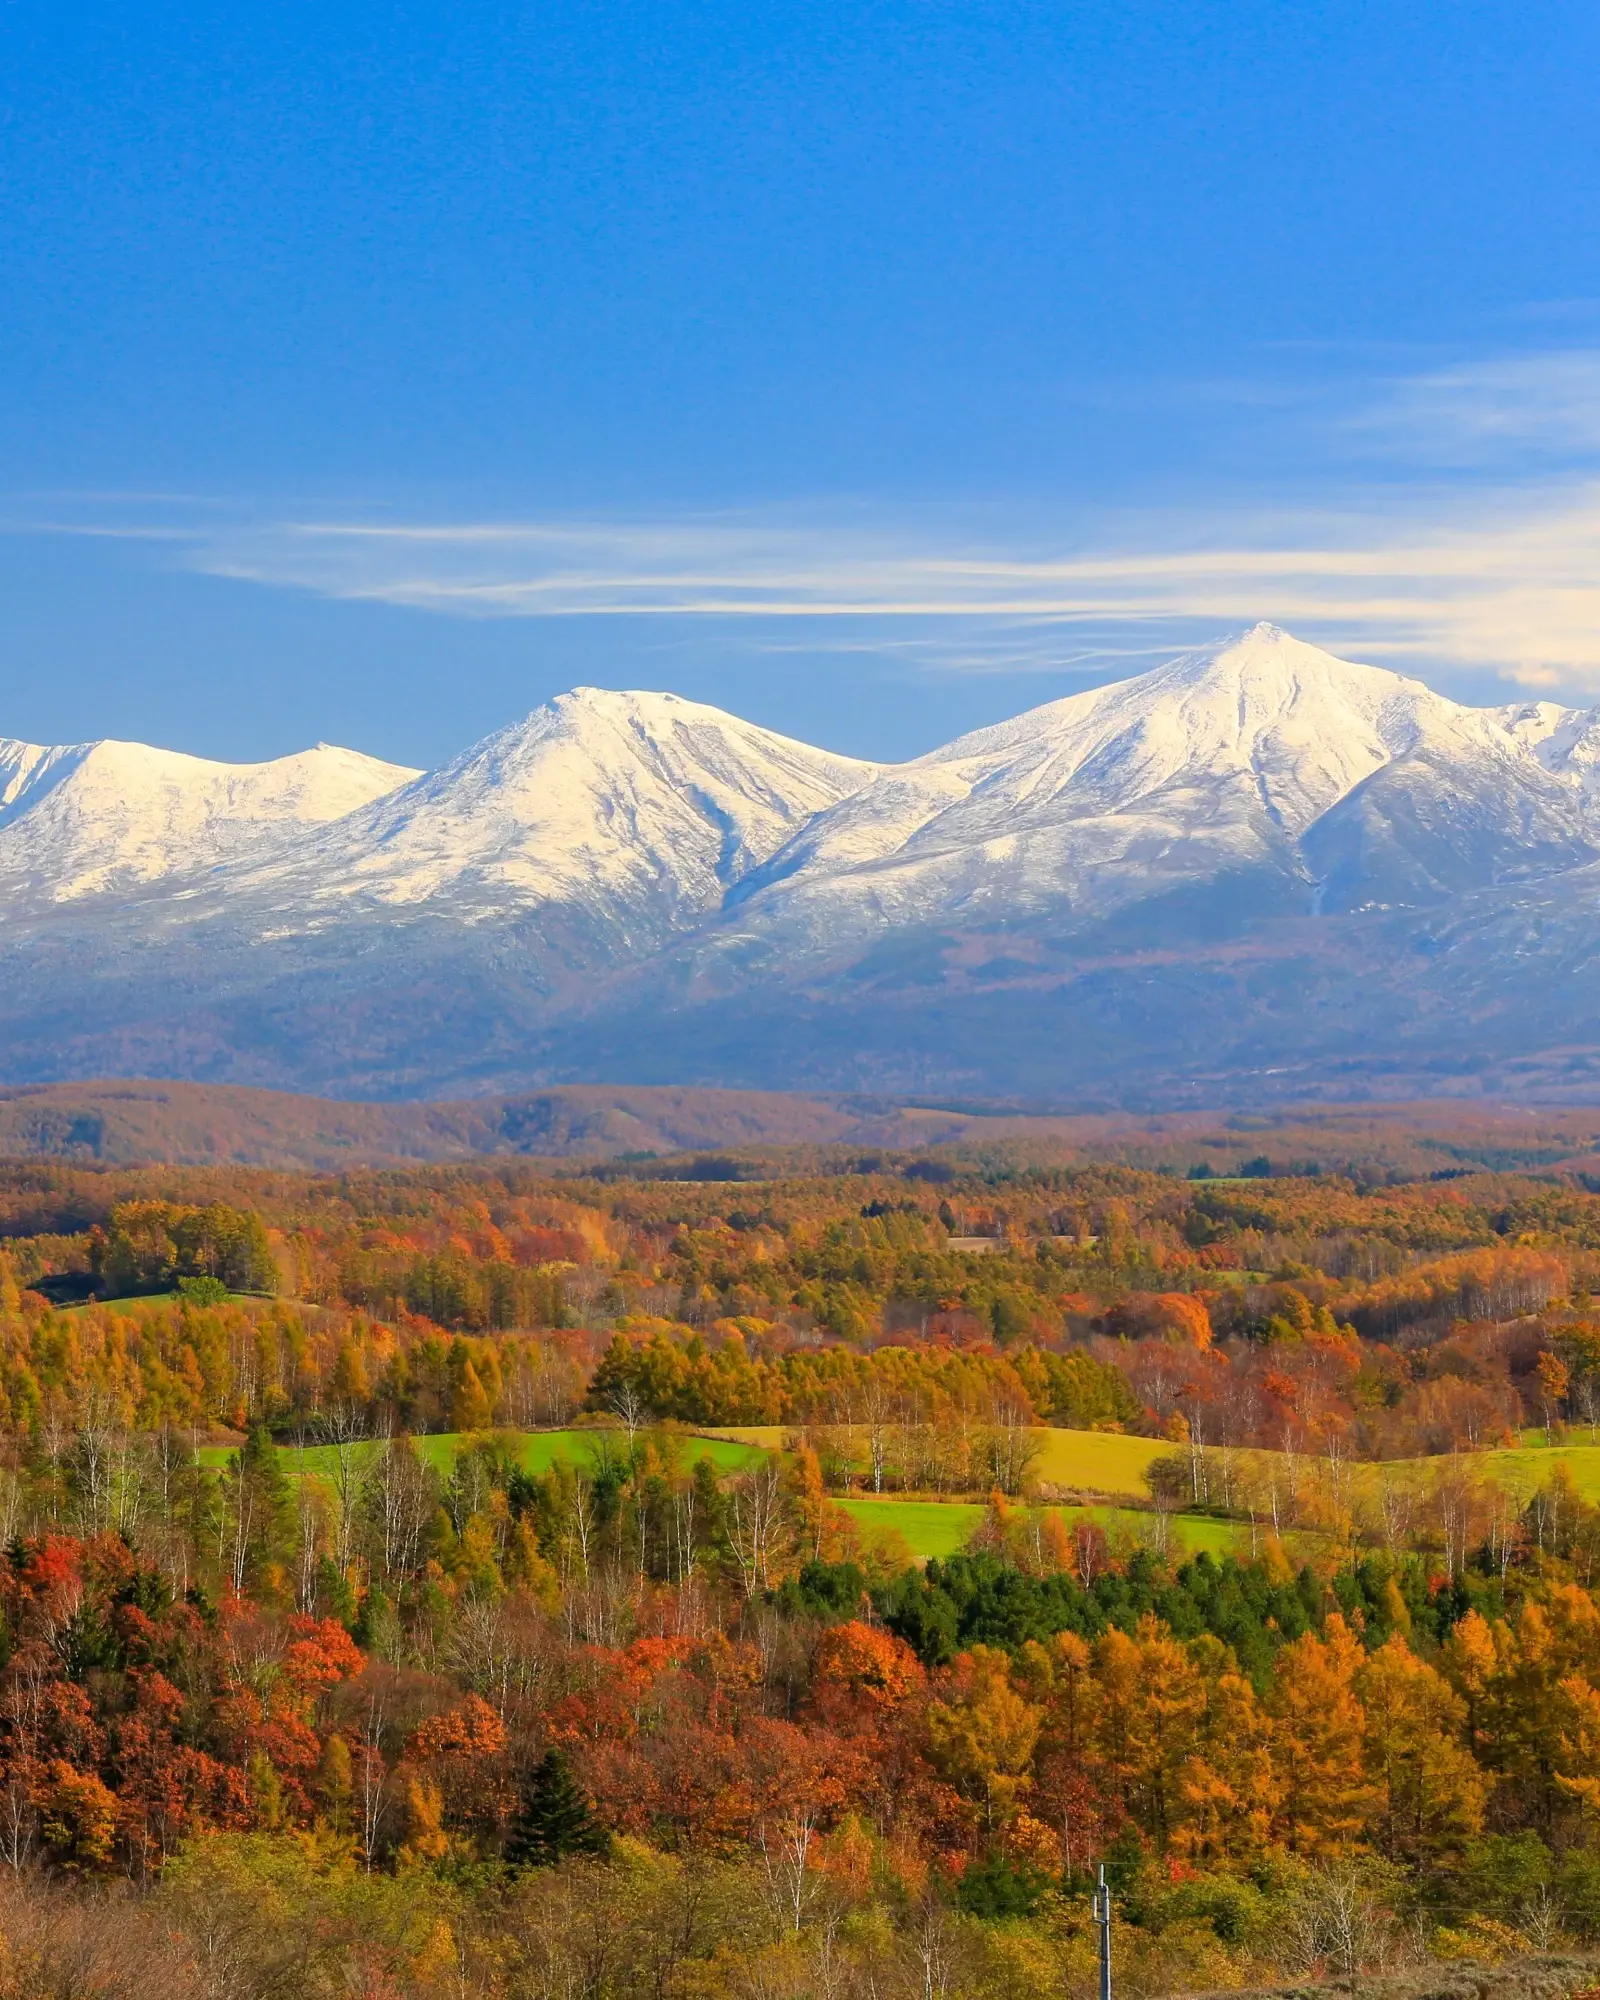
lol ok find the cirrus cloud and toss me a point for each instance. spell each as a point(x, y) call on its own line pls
point(1494, 569)
point(1512, 585)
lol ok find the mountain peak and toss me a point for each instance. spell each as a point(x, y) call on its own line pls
point(1262, 636)
point(656, 711)
point(611, 727)
point(635, 810)
point(1264, 651)
point(624, 701)
point(1215, 764)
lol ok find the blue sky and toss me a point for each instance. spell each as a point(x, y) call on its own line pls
point(374, 373)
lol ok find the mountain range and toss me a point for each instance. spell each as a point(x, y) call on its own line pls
point(1255, 871)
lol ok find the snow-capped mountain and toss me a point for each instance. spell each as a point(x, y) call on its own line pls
point(613, 821)
point(599, 796)
point(81, 820)
point(1261, 760)
point(624, 881)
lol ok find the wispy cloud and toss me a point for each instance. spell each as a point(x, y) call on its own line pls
point(1540, 406)
point(1496, 571)
point(1513, 586)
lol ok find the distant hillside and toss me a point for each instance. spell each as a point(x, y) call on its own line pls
point(200, 1124)
point(119, 1122)
point(685, 1130)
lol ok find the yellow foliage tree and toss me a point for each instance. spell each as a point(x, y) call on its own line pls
point(983, 1740)
point(1430, 1793)
point(426, 1839)
point(1318, 1742)
point(1229, 1788)
point(80, 1817)
point(1151, 1703)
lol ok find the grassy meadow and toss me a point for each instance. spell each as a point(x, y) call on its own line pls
point(537, 1451)
point(931, 1528)
point(1085, 1461)
point(1105, 1464)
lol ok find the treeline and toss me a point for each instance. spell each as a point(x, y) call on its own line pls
point(148, 1246)
point(1303, 1315)
point(198, 1363)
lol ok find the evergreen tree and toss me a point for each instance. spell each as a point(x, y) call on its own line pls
point(554, 1819)
point(711, 1518)
point(258, 1508)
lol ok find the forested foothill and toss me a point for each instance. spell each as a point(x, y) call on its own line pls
point(514, 1579)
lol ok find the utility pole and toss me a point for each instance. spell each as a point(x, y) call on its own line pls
point(1102, 1923)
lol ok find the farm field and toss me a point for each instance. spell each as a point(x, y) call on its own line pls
point(1525, 1467)
point(1110, 1462)
point(1090, 1461)
point(142, 1301)
point(1097, 1461)
point(935, 1528)
point(539, 1451)
point(928, 1527)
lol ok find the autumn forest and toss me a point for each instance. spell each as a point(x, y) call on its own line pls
point(795, 1575)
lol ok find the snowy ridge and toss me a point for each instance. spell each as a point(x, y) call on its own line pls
point(1219, 764)
point(82, 820)
point(638, 810)
point(1140, 880)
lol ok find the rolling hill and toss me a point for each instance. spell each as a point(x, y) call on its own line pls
point(717, 1133)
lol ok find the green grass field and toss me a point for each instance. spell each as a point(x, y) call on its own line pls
point(538, 1452)
point(143, 1299)
point(928, 1527)
point(1091, 1460)
point(1522, 1469)
point(937, 1528)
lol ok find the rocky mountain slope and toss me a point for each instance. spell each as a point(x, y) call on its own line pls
point(1256, 861)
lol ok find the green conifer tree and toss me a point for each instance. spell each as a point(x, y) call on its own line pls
point(711, 1519)
point(554, 1819)
point(258, 1508)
